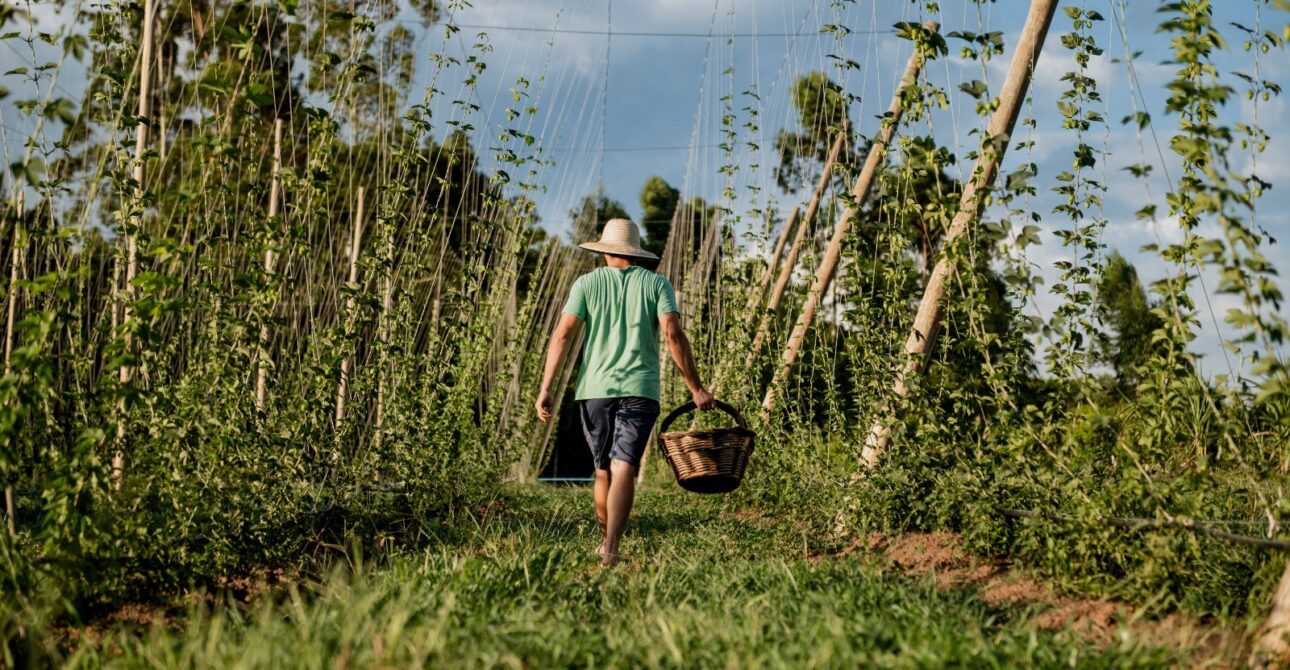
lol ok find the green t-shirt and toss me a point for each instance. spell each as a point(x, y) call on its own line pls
point(620, 309)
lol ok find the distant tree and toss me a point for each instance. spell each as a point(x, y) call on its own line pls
point(698, 214)
point(592, 214)
point(1123, 305)
point(658, 204)
point(821, 111)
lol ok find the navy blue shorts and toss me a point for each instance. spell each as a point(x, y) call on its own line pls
point(617, 428)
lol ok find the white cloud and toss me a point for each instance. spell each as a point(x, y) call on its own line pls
point(1055, 61)
point(518, 52)
point(1270, 112)
point(677, 14)
point(1128, 236)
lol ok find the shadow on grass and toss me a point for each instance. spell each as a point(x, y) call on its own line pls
point(651, 523)
point(566, 513)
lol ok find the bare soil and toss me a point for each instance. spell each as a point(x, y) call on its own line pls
point(941, 557)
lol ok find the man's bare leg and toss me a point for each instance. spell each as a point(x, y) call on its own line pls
point(600, 492)
point(622, 491)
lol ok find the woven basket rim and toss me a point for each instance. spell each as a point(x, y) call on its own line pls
point(706, 446)
point(704, 432)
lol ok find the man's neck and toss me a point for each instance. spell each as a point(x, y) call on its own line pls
point(617, 262)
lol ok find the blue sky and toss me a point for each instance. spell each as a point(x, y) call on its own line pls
point(661, 113)
point(615, 109)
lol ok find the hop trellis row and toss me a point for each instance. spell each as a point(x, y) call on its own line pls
point(300, 289)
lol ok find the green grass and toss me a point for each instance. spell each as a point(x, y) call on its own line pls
point(520, 588)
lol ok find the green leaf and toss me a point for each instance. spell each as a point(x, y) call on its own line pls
point(76, 46)
point(61, 109)
point(31, 172)
point(260, 94)
point(1029, 235)
point(976, 88)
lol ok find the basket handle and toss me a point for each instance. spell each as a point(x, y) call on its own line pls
point(690, 407)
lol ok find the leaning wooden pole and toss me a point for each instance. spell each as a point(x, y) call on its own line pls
point(923, 334)
point(356, 245)
point(275, 187)
point(126, 373)
point(11, 312)
point(763, 283)
point(1272, 645)
point(762, 329)
point(833, 254)
point(790, 263)
point(387, 304)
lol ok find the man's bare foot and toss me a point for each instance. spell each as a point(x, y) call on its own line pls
point(610, 560)
point(601, 550)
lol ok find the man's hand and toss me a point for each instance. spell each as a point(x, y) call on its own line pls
point(703, 400)
point(543, 405)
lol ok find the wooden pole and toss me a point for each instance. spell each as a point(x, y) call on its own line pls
point(754, 301)
point(387, 301)
point(665, 268)
point(126, 373)
point(923, 334)
point(116, 308)
point(833, 254)
point(262, 373)
point(161, 111)
point(698, 280)
point(790, 263)
point(11, 309)
point(355, 246)
point(1272, 646)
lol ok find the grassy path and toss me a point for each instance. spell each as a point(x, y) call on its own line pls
point(701, 589)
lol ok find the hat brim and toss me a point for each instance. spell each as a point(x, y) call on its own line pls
point(617, 250)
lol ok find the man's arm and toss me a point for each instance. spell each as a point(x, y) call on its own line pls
point(560, 337)
point(679, 346)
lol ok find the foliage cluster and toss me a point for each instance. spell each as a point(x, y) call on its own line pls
point(397, 302)
point(142, 453)
point(1122, 422)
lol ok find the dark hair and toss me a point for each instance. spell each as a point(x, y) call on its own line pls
point(634, 260)
point(650, 264)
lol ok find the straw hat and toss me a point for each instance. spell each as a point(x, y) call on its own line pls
point(620, 238)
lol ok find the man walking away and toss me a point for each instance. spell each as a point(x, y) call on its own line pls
point(623, 307)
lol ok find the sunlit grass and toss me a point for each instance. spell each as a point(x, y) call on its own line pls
point(701, 588)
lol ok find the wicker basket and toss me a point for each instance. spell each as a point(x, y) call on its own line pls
point(711, 460)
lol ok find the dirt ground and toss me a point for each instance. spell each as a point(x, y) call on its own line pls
point(942, 557)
